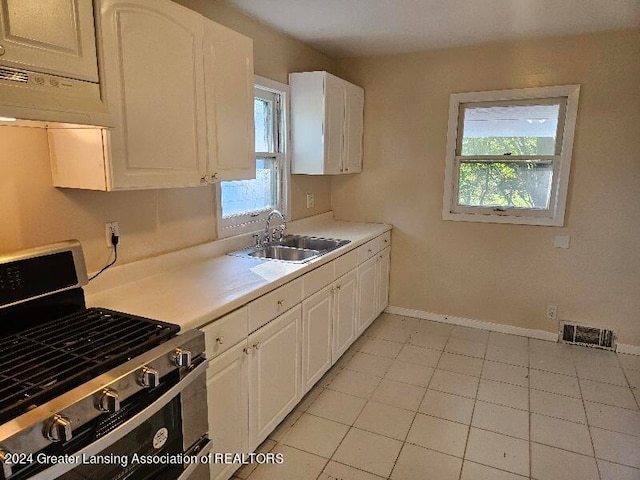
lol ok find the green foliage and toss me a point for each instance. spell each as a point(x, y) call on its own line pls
point(524, 184)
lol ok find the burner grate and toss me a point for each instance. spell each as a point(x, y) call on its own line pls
point(42, 362)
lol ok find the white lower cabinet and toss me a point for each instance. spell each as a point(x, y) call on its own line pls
point(317, 319)
point(254, 381)
point(367, 295)
point(382, 274)
point(345, 314)
point(275, 381)
point(228, 401)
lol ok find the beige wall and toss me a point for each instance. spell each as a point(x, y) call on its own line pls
point(505, 273)
point(32, 212)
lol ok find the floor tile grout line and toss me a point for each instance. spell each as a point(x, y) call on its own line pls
point(593, 447)
point(415, 415)
point(473, 411)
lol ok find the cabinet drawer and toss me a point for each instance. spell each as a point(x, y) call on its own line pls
point(225, 332)
point(317, 279)
point(345, 263)
point(368, 250)
point(384, 241)
point(269, 306)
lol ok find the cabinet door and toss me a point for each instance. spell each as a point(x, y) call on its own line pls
point(227, 399)
point(275, 381)
point(56, 36)
point(333, 125)
point(354, 122)
point(367, 293)
point(154, 85)
point(345, 314)
point(317, 314)
point(382, 268)
point(228, 64)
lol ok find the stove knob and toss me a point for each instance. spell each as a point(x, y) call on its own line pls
point(6, 466)
point(149, 378)
point(109, 401)
point(182, 358)
point(59, 429)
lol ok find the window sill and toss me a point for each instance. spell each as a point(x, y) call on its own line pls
point(511, 219)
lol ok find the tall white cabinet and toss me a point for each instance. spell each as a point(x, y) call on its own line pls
point(326, 124)
point(180, 88)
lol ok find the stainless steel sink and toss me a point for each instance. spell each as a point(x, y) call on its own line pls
point(279, 252)
point(313, 243)
point(292, 248)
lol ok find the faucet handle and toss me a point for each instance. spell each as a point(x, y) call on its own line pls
point(256, 238)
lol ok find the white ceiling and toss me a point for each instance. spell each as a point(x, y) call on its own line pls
point(352, 28)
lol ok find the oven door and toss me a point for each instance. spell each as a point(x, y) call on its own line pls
point(164, 440)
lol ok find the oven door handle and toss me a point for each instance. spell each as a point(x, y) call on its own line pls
point(186, 473)
point(124, 429)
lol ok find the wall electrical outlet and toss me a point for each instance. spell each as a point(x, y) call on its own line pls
point(552, 312)
point(311, 202)
point(109, 229)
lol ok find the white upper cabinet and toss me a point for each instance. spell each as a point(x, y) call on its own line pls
point(326, 124)
point(180, 88)
point(228, 64)
point(52, 36)
point(154, 84)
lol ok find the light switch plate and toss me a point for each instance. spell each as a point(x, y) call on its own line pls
point(562, 241)
point(310, 200)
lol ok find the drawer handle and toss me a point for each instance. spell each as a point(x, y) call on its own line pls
point(220, 340)
point(280, 303)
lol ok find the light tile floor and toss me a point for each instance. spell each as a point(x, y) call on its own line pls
point(414, 399)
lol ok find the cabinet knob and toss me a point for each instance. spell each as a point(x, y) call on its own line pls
point(214, 176)
point(149, 378)
point(220, 340)
point(369, 251)
point(280, 303)
point(386, 240)
point(203, 179)
point(109, 401)
point(338, 287)
point(256, 345)
point(1, 50)
point(246, 350)
point(59, 429)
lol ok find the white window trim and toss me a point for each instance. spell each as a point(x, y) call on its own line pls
point(554, 216)
point(228, 227)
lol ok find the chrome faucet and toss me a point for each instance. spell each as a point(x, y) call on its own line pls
point(278, 232)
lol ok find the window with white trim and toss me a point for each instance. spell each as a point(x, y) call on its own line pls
point(245, 204)
point(509, 155)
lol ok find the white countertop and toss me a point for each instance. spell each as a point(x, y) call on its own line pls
point(196, 291)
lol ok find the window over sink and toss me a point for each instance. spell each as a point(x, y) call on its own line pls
point(508, 155)
point(243, 205)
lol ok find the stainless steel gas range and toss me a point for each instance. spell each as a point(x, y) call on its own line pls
point(90, 392)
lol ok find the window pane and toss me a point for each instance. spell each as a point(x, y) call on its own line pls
point(525, 184)
point(515, 130)
point(263, 119)
point(245, 196)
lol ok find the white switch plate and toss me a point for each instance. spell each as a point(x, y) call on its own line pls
point(109, 228)
point(562, 241)
point(311, 202)
point(552, 312)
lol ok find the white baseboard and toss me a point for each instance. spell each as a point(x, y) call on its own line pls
point(481, 324)
point(628, 349)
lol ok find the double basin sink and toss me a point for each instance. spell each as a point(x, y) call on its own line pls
point(293, 248)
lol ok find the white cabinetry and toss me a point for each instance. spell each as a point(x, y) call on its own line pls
point(299, 330)
point(275, 381)
point(227, 399)
point(345, 314)
point(179, 88)
point(55, 37)
point(326, 124)
point(317, 319)
point(367, 294)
